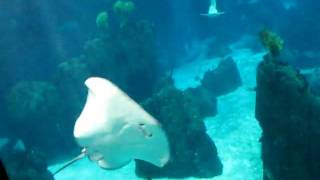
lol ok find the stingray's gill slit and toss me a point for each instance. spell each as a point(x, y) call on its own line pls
point(67, 164)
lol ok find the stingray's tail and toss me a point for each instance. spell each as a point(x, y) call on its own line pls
point(80, 156)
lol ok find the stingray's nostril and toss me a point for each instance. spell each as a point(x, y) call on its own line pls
point(141, 124)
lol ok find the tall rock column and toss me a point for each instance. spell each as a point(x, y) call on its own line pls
point(290, 118)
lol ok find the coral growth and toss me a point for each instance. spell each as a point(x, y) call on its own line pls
point(69, 79)
point(102, 21)
point(39, 112)
point(126, 57)
point(27, 100)
point(34, 111)
point(124, 10)
point(271, 41)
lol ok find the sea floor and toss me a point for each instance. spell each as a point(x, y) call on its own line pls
point(234, 129)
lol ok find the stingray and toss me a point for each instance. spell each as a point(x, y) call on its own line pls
point(213, 11)
point(113, 129)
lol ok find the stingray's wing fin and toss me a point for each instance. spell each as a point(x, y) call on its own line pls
point(115, 129)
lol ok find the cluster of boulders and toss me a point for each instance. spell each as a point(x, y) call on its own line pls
point(193, 153)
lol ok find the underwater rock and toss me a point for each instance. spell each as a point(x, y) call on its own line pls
point(204, 100)
point(69, 78)
point(127, 57)
point(314, 81)
point(290, 119)
point(193, 153)
point(34, 114)
point(28, 99)
point(222, 80)
point(313, 78)
point(27, 164)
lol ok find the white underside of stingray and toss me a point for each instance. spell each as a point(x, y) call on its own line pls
point(213, 11)
point(113, 129)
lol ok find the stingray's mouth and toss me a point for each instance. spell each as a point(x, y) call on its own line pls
point(95, 156)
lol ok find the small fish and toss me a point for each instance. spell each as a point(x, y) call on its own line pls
point(213, 11)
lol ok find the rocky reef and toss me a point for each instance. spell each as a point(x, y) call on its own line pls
point(21, 163)
point(34, 115)
point(193, 153)
point(314, 81)
point(271, 41)
point(127, 57)
point(41, 111)
point(204, 100)
point(122, 50)
point(289, 115)
point(222, 80)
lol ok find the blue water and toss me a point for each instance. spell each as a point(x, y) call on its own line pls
point(49, 48)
